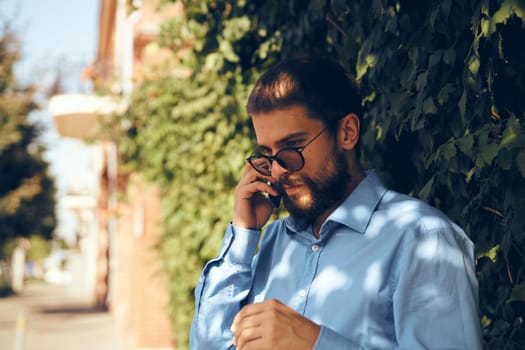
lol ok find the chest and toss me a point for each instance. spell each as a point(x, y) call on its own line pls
point(344, 282)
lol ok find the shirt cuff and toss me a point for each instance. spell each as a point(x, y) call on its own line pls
point(240, 245)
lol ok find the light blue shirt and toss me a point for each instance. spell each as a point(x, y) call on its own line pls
point(388, 272)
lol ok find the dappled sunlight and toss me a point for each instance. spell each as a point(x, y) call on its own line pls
point(373, 277)
point(282, 270)
point(332, 279)
point(359, 213)
point(281, 275)
point(435, 247)
point(366, 257)
point(427, 249)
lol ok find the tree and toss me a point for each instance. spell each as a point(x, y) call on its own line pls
point(27, 191)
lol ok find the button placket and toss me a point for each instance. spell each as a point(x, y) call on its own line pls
point(310, 270)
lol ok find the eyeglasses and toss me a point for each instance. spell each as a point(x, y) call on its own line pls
point(290, 158)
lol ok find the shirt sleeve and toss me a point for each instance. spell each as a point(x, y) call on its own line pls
point(221, 290)
point(436, 294)
point(329, 339)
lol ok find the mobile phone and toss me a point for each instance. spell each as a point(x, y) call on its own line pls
point(276, 200)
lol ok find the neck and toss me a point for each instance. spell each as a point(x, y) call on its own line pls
point(357, 175)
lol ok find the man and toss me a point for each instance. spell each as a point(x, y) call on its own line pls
point(355, 265)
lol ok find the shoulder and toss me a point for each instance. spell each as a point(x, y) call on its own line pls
point(418, 220)
point(275, 229)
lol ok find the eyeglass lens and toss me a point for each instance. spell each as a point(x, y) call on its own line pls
point(290, 159)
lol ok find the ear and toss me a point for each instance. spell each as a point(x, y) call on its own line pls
point(349, 127)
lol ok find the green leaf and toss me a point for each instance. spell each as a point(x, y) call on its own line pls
point(213, 61)
point(520, 160)
point(444, 94)
point(512, 132)
point(370, 98)
point(485, 26)
point(506, 158)
point(363, 64)
point(462, 104)
point(421, 81)
point(517, 293)
point(485, 321)
point(491, 254)
point(429, 107)
point(508, 9)
point(449, 57)
point(449, 150)
point(317, 5)
point(469, 174)
point(425, 191)
point(226, 48)
point(465, 144)
point(339, 6)
point(435, 58)
point(488, 152)
point(474, 65)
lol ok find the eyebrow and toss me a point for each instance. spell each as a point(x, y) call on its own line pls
point(284, 140)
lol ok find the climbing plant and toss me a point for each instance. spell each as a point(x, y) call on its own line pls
point(443, 87)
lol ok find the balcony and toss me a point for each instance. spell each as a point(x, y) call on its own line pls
point(80, 116)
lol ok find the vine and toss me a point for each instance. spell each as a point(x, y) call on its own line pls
point(443, 87)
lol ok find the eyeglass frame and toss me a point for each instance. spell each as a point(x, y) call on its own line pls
point(298, 150)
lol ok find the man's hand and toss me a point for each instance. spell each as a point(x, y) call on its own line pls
point(273, 325)
point(252, 209)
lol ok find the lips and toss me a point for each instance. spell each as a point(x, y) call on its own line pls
point(291, 189)
point(289, 186)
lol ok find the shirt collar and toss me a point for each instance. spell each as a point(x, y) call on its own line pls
point(356, 211)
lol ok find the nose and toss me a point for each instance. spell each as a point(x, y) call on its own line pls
point(277, 170)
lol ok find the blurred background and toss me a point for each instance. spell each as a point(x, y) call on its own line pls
point(56, 40)
point(58, 180)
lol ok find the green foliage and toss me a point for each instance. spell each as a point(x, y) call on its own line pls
point(7, 249)
point(27, 192)
point(443, 85)
point(39, 248)
point(446, 122)
point(190, 136)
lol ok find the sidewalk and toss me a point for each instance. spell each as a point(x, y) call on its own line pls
point(57, 317)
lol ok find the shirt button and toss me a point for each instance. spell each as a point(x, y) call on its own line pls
point(315, 248)
point(302, 293)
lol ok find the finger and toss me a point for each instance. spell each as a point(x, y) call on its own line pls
point(247, 189)
point(251, 310)
point(258, 326)
point(245, 321)
point(246, 311)
point(247, 330)
point(248, 336)
point(256, 344)
point(249, 174)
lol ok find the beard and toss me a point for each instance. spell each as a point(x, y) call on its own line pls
point(324, 192)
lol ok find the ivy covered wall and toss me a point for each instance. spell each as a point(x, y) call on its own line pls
point(444, 90)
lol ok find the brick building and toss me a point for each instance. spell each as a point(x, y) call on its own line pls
point(128, 279)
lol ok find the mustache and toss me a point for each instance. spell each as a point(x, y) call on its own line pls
point(287, 181)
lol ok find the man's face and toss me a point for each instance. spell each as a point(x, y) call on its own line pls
point(321, 183)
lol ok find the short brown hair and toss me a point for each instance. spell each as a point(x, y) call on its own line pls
point(319, 84)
